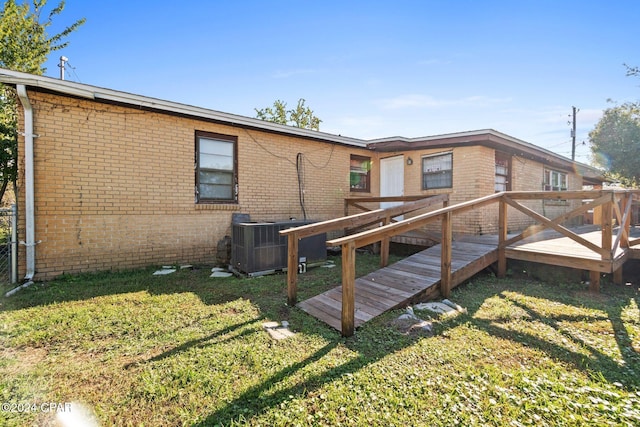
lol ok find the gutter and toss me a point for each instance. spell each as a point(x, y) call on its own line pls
point(144, 102)
point(28, 181)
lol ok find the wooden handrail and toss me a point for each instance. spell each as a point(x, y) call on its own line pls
point(364, 218)
point(534, 229)
point(358, 220)
point(560, 229)
point(567, 195)
point(372, 236)
point(623, 231)
point(351, 200)
point(605, 198)
point(356, 202)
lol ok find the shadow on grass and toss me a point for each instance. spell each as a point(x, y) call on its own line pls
point(611, 303)
point(264, 291)
point(259, 398)
point(198, 343)
point(371, 343)
point(256, 399)
point(69, 288)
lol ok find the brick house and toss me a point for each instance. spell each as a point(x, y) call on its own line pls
point(110, 180)
point(468, 165)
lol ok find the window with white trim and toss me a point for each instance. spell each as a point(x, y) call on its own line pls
point(503, 172)
point(555, 180)
point(437, 171)
point(216, 168)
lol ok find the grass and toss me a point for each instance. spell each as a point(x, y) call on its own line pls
point(186, 349)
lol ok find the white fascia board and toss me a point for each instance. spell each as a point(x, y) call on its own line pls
point(504, 136)
point(232, 119)
point(96, 93)
point(38, 82)
point(437, 137)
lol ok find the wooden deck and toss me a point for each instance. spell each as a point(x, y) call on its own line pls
point(414, 278)
point(417, 277)
point(446, 265)
point(550, 247)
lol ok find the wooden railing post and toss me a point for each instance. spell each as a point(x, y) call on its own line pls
point(445, 258)
point(348, 288)
point(624, 211)
point(346, 214)
point(292, 269)
point(607, 228)
point(384, 245)
point(625, 228)
point(502, 237)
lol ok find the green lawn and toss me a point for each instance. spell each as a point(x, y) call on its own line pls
point(186, 349)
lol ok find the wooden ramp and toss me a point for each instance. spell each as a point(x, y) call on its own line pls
point(409, 280)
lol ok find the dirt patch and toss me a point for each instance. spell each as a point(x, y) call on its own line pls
point(25, 358)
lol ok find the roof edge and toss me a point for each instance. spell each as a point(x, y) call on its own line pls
point(82, 90)
point(543, 152)
point(69, 88)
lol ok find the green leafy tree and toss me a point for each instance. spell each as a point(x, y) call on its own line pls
point(8, 143)
point(615, 143)
point(301, 116)
point(24, 46)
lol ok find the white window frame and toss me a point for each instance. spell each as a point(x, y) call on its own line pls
point(555, 180)
point(502, 181)
point(435, 170)
point(222, 170)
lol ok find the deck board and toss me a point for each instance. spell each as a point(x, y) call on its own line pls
point(408, 280)
point(396, 285)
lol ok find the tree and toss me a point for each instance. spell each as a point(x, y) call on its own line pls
point(302, 116)
point(632, 71)
point(615, 143)
point(24, 46)
point(8, 142)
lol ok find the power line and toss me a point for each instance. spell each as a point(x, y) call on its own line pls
point(73, 70)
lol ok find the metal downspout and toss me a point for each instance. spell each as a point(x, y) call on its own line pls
point(28, 182)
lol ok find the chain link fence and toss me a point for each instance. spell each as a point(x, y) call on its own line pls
point(8, 261)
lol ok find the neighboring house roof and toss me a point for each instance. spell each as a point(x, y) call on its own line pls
point(487, 137)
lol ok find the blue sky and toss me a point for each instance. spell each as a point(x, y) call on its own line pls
point(371, 69)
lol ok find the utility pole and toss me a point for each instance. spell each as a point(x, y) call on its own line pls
point(573, 135)
point(63, 59)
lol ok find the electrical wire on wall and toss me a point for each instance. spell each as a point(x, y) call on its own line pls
point(300, 172)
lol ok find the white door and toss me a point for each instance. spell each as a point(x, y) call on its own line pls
point(392, 180)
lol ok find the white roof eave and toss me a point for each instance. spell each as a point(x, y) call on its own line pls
point(96, 93)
